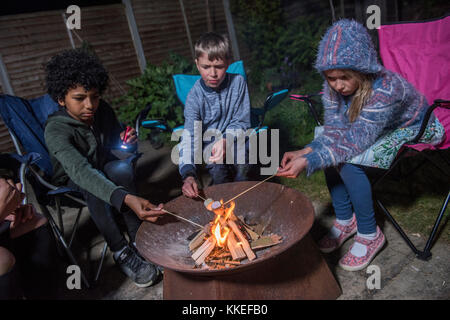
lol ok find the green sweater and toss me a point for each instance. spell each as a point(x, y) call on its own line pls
point(78, 152)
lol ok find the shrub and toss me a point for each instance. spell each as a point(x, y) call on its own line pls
point(281, 55)
point(155, 86)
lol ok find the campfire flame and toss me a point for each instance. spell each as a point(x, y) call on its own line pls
point(221, 238)
point(228, 240)
point(219, 232)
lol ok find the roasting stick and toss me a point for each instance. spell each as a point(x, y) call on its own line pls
point(245, 191)
point(179, 217)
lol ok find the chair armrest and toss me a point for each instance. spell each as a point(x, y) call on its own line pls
point(62, 190)
point(437, 104)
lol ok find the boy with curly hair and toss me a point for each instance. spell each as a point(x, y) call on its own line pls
point(79, 138)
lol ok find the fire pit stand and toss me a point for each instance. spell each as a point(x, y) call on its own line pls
point(294, 269)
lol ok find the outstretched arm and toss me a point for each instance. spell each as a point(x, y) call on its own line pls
point(143, 208)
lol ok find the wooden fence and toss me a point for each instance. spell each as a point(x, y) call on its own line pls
point(147, 31)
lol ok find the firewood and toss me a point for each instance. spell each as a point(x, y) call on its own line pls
point(265, 242)
point(253, 235)
point(224, 255)
point(193, 235)
point(259, 228)
point(243, 230)
point(220, 261)
point(237, 253)
point(242, 219)
point(245, 245)
point(197, 241)
point(237, 263)
point(205, 245)
point(211, 243)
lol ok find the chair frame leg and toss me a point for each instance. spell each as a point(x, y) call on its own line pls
point(97, 275)
point(397, 226)
point(59, 213)
point(425, 254)
point(75, 227)
point(61, 239)
point(436, 224)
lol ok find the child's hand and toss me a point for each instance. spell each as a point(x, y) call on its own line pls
point(293, 168)
point(289, 156)
point(218, 151)
point(131, 136)
point(143, 208)
point(190, 188)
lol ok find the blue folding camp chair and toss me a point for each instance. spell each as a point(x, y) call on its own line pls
point(25, 120)
point(184, 83)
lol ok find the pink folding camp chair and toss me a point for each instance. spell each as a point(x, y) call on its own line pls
point(420, 52)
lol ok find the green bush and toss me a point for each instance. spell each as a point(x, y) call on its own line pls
point(155, 86)
point(258, 23)
point(293, 118)
point(281, 55)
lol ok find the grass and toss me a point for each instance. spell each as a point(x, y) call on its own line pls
point(415, 210)
point(416, 200)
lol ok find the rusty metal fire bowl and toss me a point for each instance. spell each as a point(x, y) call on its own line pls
point(293, 269)
point(284, 211)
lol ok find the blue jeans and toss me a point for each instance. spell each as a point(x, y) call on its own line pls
point(350, 191)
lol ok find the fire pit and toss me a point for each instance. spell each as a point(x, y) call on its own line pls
point(293, 269)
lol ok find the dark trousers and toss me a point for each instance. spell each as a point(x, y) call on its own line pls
point(36, 273)
point(106, 217)
point(222, 173)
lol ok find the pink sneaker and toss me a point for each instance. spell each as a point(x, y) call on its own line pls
point(350, 262)
point(327, 244)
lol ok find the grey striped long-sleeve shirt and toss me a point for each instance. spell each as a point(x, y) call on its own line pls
point(228, 107)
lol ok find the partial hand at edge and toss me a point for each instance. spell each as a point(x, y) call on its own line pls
point(10, 197)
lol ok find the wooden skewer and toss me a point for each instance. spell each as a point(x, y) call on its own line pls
point(179, 217)
point(201, 198)
point(245, 191)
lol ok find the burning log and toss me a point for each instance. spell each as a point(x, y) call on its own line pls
point(245, 245)
point(197, 241)
point(225, 262)
point(237, 253)
point(204, 250)
point(227, 236)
